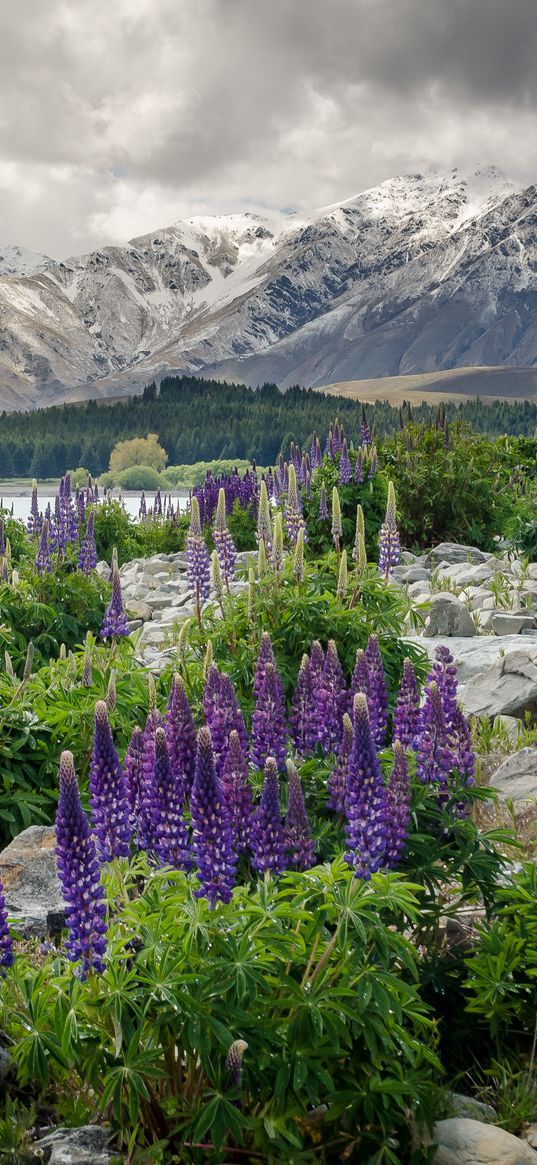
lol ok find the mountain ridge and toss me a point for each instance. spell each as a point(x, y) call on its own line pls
point(425, 272)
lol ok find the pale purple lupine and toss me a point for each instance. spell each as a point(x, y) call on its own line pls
point(373, 463)
point(108, 798)
point(330, 701)
point(463, 753)
point(222, 714)
point(365, 798)
point(323, 504)
point(338, 780)
point(303, 715)
point(43, 564)
point(79, 875)
point(133, 774)
point(115, 619)
point(434, 751)
point(237, 794)
point(197, 560)
point(268, 841)
point(377, 692)
point(266, 656)
point(211, 830)
point(2, 537)
point(359, 468)
point(87, 558)
point(406, 715)
point(34, 517)
point(398, 805)
point(269, 730)
point(345, 470)
point(299, 843)
point(6, 942)
point(316, 661)
point(172, 847)
point(444, 673)
point(315, 452)
point(365, 432)
point(180, 735)
point(389, 541)
point(294, 520)
point(224, 544)
point(145, 831)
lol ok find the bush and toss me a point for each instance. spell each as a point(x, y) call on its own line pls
point(371, 495)
point(48, 611)
point(139, 477)
point(188, 476)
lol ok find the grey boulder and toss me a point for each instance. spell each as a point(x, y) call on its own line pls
point(448, 616)
point(508, 688)
point(30, 880)
point(452, 552)
point(462, 1141)
point(516, 778)
point(84, 1146)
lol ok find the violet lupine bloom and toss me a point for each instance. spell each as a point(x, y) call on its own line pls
point(237, 794)
point(365, 432)
point(133, 774)
point(87, 558)
point(80, 502)
point(378, 691)
point(34, 521)
point(293, 509)
point(338, 781)
point(330, 701)
point(323, 505)
point(6, 943)
point(303, 716)
point(222, 714)
point(269, 731)
point(142, 512)
point(434, 753)
point(444, 674)
point(463, 753)
point(108, 798)
point(365, 798)
point(42, 563)
point(180, 735)
point(389, 541)
point(115, 619)
point(315, 452)
point(406, 716)
point(172, 846)
point(146, 837)
point(224, 544)
point(316, 662)
point(157, 508)
point(2, 537)
point(79, 874)
point(373, 463)
point(398, 805)
point(299, 843)
point(211, 830)
point(268, 841)
point(266, 656)
point(345, 470)
point(359, 468)
point(197, 559)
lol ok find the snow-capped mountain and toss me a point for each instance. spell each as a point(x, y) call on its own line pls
point(426, 271)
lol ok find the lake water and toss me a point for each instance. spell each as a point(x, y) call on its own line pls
point(131, 501)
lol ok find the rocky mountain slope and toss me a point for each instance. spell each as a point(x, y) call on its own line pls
point(424, 272)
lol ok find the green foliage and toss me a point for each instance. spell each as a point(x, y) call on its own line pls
point(371, 495)
point(50, 610)
point(139, 477)
point(187, 476)
point(313, 972)
point(114, 528)
point(242, 527)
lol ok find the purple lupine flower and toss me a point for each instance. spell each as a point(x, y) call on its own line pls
point(378, 691)
point(303, 716)
point(373, 463)
point(42, 563)
point(434, 753)
point(330, 701)
point(264, 529)
point(197, 559)
point(315, 452)
point(389, 541)
point(359, 679)
point(87, 558)
point(211, 830)
point(463, 752)
point(444, 674)
point(108, 798)
point(2, 537)
point(266, 656)
point(222, 714)
point(80, 503)
point(268, 841)
point(398, 805)
point(172, 846)
point(365, 798)
point(323, 505)
point(338, 436)
point(133, 774)
point(359, 468)
point(299, 843)
point(145, 823)
point(237, 794)
point(142, 512)
point(316, 662)
point(338, 780)
point(34, 519)
point(365, 432)
point(180, 736)
point(115, 619)
point(6, 942)
point(406, 716)
point(157, 508)
point(224, 544)
point(79, 874)
point(345, 470)
point(269, 732)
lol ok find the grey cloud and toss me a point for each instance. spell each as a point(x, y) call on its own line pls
point(207, 104)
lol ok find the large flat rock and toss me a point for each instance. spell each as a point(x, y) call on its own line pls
point(462, 1141)
point(516, 778)
point(30, 880)
point(476, 654)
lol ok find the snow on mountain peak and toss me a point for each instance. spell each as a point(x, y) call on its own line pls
point(20, 261)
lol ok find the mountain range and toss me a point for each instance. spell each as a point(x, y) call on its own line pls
point(425, 272)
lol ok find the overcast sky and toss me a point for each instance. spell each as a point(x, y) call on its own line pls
point(120, 116)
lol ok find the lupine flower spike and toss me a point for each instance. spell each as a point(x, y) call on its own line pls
point(180, 736)
point(211, 831)
point(434, 754)
point(115, 619)
point(337, 527)
point(299, 844)
point(216, 577)
point(360, 532)
point(237, 794)
point(303, 719)
point(298, 558)
point(225, 546)
point(406, 716)
point(378, 691)
point(42, 563)
point(170, 833)
point(293, 512)
point(269, 732)
point(277, 545)
point(343, 580)
point(268, 841)
point(330, 700)
point(87, 558)
point(79, 875)
point(365, 798)
point(197, 559)
point(398, 804)
point(133, 774)
point(109, 808)
point(87, 671)
point(389, 542)
point(264, 532)
point(6, 943)
point(338, 781)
